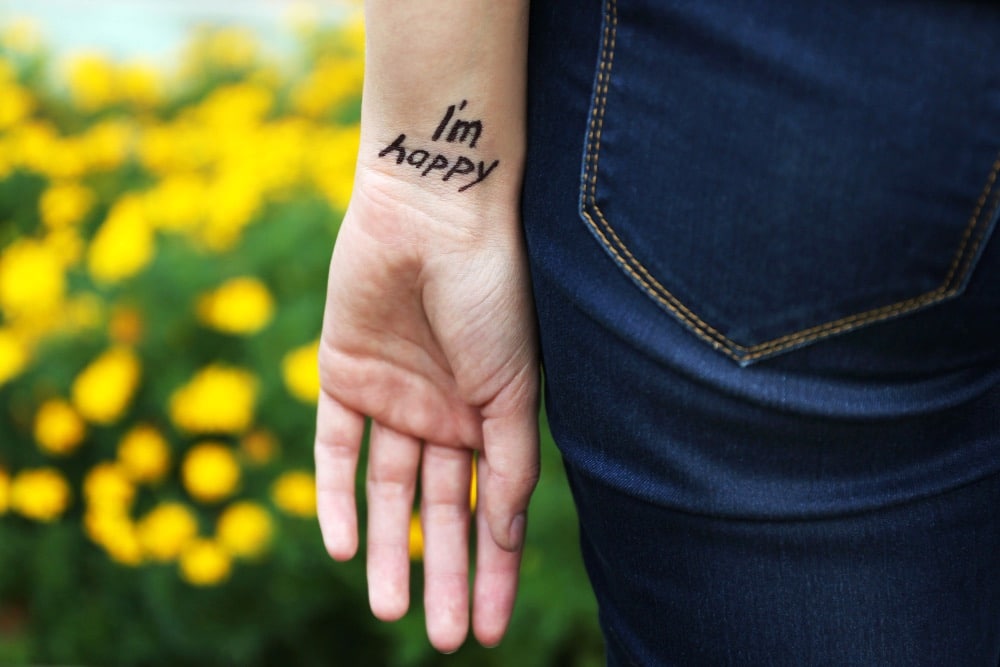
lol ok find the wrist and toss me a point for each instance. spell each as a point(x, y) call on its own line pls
point(391, 204)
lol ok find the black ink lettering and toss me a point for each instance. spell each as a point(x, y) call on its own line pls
point(397, 145)
point(439, 162)
point(466, 127)
point(483, 173)
point(463, 165)
point(418, 162)
point(453, 130)
point(444, 122)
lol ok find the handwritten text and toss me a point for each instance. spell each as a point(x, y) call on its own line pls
point(462, 168)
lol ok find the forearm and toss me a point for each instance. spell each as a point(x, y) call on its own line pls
point(443, 106)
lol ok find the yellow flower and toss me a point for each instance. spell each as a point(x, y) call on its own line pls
point(123, 245)
point(180, 146)
point(40, 494)
point(33, 328)
point(91, 81)
point(106, 145)
point(126, 325)
point(233, 48)
point(102, 391)
point(35, 144)
point(166, 531)
point(14, 355)
point(301, 372)
point(65, 244)
point(4, 491)
point(140, 84)
point(218, 399)
point(177, 203)
point(280, 149)
point(67, 162)
point(239, 104)
point(234, 199)
point(335, 80)
point(238, 306)
point(116, 532)
point(123, 545)
point(64, 204)
point(205, 563)
point(144, 454)
point(156, 147)
point(331, 164)
point(244, 529)
point(259, 446)
point(416, 538)
point(210, 472)
point(107, 486)
point(295, 493)
point(31, 278)
point(17, 105)
point(59, 430)
point(473, 487)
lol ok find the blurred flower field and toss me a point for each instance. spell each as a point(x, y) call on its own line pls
point(164, 237)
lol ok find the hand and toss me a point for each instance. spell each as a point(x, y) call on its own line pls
point(429, 330)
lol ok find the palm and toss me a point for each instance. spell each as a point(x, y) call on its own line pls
point(428, 331)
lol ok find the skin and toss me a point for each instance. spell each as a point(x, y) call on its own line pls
point(429, 327)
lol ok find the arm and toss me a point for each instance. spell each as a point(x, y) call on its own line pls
point(429, 328)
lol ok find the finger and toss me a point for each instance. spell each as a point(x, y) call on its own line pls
point(511, 452)
point(338, 438)
point(393, 460)
point(444, 515)
point(496, 582)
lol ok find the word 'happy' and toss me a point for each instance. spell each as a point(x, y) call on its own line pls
point(461, 131)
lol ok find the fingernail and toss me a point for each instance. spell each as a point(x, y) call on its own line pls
point(516, 532)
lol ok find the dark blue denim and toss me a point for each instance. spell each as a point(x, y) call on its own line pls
point(762, 241)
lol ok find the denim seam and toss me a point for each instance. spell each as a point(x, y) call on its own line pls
point(954, 281)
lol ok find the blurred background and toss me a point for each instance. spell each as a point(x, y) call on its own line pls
point(172, 175)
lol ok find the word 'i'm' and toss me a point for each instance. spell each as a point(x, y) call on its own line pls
point(460, 129)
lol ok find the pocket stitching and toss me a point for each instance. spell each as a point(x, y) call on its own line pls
point(958, 271)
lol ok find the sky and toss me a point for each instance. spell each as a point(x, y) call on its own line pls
point(154, 29)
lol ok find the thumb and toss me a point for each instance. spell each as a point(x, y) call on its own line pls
point(510, 452)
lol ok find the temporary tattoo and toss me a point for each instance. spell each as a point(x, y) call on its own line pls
point(466, 127)
point(462, 131)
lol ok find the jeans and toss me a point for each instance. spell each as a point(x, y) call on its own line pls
point(762, 242)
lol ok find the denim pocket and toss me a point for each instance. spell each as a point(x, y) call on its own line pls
point(773, 181)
